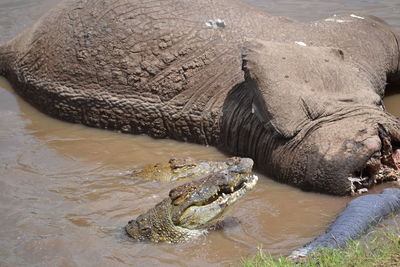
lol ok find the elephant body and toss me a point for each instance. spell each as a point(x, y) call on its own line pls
point(304, 100)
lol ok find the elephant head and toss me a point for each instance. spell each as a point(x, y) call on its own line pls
point(310, 117)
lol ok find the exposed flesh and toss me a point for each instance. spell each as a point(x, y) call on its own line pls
point(384, 166)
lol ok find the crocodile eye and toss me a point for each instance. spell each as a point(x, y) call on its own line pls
point(145, 230)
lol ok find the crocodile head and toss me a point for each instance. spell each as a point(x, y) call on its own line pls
point(181, 168)
point(192, 208)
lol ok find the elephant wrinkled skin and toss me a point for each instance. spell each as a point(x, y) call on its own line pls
point(304, 100)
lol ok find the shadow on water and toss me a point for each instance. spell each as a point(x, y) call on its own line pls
point(392, 99)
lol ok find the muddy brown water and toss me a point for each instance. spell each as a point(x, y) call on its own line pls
point(65, 190)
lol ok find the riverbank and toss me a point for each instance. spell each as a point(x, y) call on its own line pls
point(380, 247)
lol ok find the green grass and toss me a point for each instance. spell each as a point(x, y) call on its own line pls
point(379, 248)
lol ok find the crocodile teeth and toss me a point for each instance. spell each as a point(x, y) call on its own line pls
point(232, 189)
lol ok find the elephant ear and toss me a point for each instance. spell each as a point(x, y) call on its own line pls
point(278, 108)
point(295, 84)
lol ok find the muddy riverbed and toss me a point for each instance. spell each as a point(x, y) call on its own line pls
point(65, 190)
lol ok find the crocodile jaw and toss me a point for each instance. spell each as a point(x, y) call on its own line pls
point(206, 215)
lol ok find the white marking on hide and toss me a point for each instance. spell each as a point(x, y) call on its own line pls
point(220, 23)
point(209, 24)
point(254, 110)
point(355, 16)
point(300, 43)
point(337, 20)
point(213, 24)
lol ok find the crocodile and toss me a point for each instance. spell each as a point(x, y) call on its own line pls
point(193, 208)
point(182, 168)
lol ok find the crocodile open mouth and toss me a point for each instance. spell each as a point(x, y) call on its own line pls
point(231, 192)
point(383, 166)
point(204, 212)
